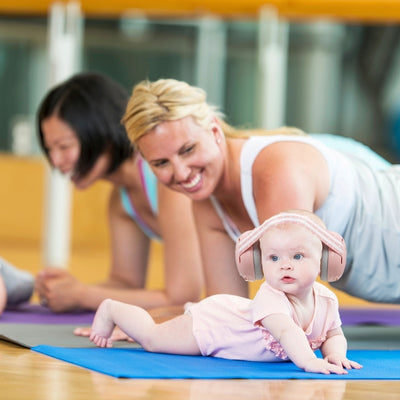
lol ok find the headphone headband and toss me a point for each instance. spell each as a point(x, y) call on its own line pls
point(332, 240)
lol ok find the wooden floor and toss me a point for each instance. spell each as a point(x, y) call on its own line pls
point(28, 375)
point(25, 374)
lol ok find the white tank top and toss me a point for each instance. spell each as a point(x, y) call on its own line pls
point(363, 205)
point(338, 205)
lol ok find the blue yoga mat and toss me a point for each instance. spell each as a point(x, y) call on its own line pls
point(137, 363)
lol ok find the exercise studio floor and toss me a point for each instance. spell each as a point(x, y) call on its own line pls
point(27, 374)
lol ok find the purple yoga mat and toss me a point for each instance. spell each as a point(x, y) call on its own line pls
point(370, 316)
point(36, 314)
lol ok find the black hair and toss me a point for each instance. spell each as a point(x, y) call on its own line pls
point(92, 105)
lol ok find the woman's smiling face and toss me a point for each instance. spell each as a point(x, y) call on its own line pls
point(185, 156)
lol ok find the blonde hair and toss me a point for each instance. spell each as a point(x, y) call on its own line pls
point(152, 103)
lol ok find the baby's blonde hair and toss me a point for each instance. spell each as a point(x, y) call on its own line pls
point(152, 103)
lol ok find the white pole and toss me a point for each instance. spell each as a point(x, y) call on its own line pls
point(211, 58)
point(272, 67)
point(64, 43)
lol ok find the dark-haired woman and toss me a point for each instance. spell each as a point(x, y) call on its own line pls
point(81, 135)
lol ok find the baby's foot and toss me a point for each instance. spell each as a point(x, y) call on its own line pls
point(103, 325)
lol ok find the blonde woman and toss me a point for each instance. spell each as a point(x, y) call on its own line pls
point(237, 179)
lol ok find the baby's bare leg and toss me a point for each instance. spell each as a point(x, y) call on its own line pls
point(134, 321)
point(173, 336)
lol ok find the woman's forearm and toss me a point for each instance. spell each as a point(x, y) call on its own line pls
point(92, 295)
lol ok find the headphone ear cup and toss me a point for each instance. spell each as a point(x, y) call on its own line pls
point(333, 263)
point(324, 263)
point(249, 261)
point(257, 263)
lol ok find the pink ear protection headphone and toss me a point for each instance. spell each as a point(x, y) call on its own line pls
point(248, 252)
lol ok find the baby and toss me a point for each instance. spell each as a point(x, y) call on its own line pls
point(290, 316)
point(16, 286)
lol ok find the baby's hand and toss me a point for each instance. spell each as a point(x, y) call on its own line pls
point(322, 366)
point(342, 361)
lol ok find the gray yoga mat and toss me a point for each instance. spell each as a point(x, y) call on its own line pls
point(31, 335)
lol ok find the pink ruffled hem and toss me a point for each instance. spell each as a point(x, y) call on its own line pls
point(273, 345)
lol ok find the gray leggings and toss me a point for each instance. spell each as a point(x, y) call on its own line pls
point(19, 284)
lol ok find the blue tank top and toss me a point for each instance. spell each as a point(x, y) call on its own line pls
point(149, 185)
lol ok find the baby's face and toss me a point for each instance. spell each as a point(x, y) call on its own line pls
point(291, 258)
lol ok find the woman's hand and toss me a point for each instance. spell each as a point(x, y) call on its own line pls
point(58, 289)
